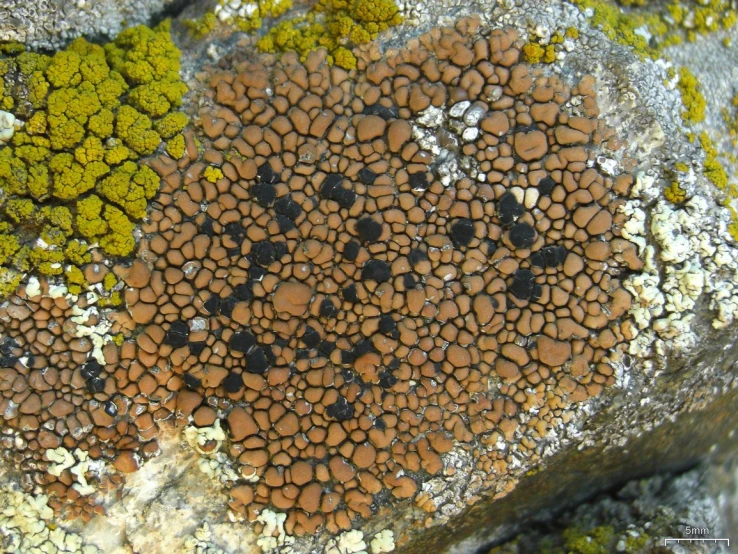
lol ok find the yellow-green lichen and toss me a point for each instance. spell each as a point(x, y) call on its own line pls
point(109, 281)
point(176, 147)
point(670, 22)
point(212, 174)
point(714, 170)
point(336, 25)
point(617, 25)
point(674, 193)
point(71, 177)
point(693, 100)
point(534, 52)
point(594, 541)
point(202, 27)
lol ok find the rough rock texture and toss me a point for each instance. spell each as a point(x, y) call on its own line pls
point(50, 24)
point(642, 516)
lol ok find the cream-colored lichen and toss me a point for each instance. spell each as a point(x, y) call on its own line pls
point(78, 463)
point(27, 526)
point(349, 542)
point(8, 125)
point(212, 462)
point(384, 541)
point(273, 536)
point(199, 542)
point(689, 258)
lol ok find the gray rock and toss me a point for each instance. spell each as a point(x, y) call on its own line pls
point(50, 24)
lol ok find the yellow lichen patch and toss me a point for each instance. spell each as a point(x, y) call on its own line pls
point(714, 170)
point(176, 147)
point(203, 26)
point(90, 113)
point(336, 25)
point(670, 22)
point(212, 174)
point(534, 52)
point(717, 175)
point(618, 25)
point(674, 193)
point(693, 100)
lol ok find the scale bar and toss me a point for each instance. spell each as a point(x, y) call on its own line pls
point(702, 539)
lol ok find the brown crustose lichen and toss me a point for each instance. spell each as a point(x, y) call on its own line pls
point(308, 278)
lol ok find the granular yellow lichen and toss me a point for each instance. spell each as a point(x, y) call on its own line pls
point(176, 147)
point(714, 170)
point(533, 52)
point(674, 193)
point(212, 174)
point(202, 27)
point(669, 22)
point(90, 113)
point(336, 25)
point(693, 100)
point(618, 25)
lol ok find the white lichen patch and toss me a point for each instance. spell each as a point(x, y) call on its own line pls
point(349, 542)
point(384, 541)
point(8, 126)
point(199, 542)
point(62, 458)
point(688, 259)
point(228, 10)
point(273, 537)
point(78, 463)
point(212, 462)
point(98, 334)
point(27, 528)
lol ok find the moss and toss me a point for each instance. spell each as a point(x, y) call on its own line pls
point(693, 100)
point(594, 541)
